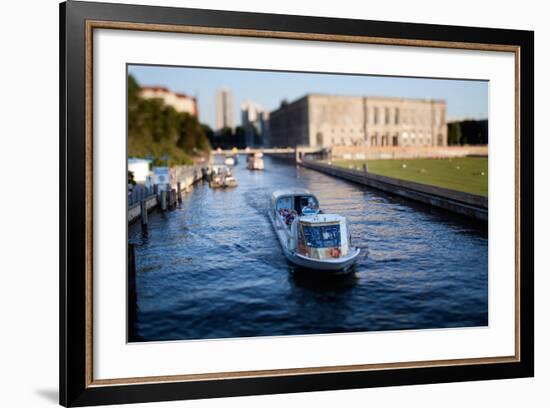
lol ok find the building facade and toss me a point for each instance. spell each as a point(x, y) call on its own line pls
point(224, 109)
point(179, 101)
point(328, 120)
point(254, 120)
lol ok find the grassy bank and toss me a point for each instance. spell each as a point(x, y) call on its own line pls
point(469, 174)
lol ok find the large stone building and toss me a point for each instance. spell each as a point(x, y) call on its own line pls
point(328, 120)
point(179, 101)
point(224, 109)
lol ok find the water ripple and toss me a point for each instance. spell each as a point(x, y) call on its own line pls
point(213, 268)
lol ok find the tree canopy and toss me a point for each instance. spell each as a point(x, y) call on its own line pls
point(468, 132)
point(158, 131)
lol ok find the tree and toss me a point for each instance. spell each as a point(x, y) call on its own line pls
point(468, 132)
point(192, 135)
point(208, 132)
point(225, 138)
point(453, 133)
point(157, 130)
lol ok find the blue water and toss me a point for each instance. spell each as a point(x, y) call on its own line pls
point(214, 269)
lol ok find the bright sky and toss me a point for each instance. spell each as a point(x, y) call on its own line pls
point(465, 98)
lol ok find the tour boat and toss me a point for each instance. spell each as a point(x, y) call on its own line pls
point(221, 177)
point(229, 161)
point(255, 161)
point(310, 238)
point(230, 181)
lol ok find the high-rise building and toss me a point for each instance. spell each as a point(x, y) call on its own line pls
point(254, 120)
point(331, 120)
point(224, 109)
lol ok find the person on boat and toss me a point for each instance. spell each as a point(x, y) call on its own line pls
point(287, 215)
point(311, 208)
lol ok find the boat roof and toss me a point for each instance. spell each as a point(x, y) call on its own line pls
point(290, 192)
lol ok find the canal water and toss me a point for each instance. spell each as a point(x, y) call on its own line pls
point(214, 269)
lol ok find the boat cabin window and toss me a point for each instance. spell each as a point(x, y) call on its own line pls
point(284, 203)
point(291, 206)
point(301, 202)
point(320, 236)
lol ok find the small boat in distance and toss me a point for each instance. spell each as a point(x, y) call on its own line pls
point(221, 177)
point(255, 161)
point(230, 181)
point(229, 161)
point(308, 237)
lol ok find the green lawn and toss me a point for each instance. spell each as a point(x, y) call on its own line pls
point(467, 174)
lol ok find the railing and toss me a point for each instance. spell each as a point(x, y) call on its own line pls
point(142, 199)
point(139, 193)
point(270, 150)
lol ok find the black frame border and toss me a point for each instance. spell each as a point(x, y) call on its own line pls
point(74, 390)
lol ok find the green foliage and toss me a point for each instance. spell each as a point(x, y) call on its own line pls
point(453, 133)
point(474, 132)
point(240, 137)
point(227, 138)
point(468, 132)
point(159, 131)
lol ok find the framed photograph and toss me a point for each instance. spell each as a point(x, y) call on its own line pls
point(256, 203)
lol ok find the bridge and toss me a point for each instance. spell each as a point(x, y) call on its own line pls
point(271, 150)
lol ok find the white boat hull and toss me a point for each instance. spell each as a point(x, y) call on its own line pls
point(255, 165)
point(337, 265)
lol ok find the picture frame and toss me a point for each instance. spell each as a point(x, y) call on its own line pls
point(78, 20)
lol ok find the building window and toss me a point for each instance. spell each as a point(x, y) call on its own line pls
point(397, 116)
point(376, 116)
point(374, 140)
point(395, 140)
point(387, 116)
point(319, 139)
